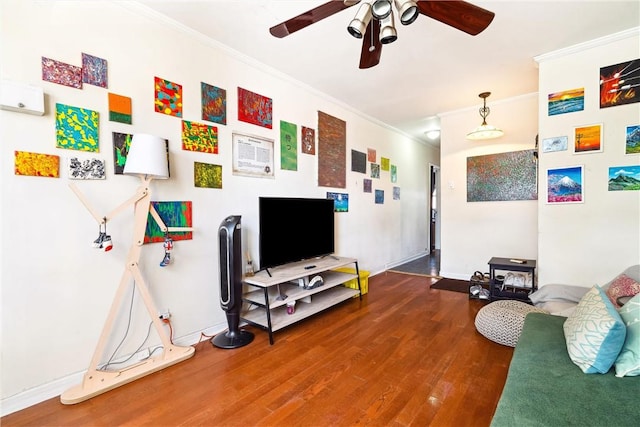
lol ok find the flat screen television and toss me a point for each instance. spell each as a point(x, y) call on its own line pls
point(294, 229)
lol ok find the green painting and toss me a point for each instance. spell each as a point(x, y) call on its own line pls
point(173, 214)
point(77, 128)
point(206, 175)
point(288, 146)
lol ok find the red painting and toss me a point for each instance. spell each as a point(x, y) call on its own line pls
point(255, 109)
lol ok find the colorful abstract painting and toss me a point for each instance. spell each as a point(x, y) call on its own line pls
point(502, 177)
point(308, 136)
point(624, 178)
point(214, 103)
point(94, 70)
point(396, 193)
point(255, 109)
point(394, 173)
point(619, 84)
point(567, 101)
point(556, 143)
point(119, 108)
point(358, 161)
point(206, 175)
point(173, 214)
point(375, 170)
point(61, 73)
point(367, 185)
point(332, 151)
point(564, 185)
point(37, 164)
point(384, 163)
point(288, 146)
point(632, 140)
point(379, 197)
point(340, 201)
point(372, 155)
point(588, 139)
point(168, 97)
point(121, 144)
point(77, 128)
point(87, 168)
point(199, 137)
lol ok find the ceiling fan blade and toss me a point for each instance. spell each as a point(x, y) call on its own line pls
point(309, 17)
point(459, 14)
point(371, 46)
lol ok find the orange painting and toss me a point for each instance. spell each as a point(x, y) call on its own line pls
point(588, 139)
point(36, 164)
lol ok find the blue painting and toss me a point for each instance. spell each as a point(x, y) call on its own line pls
point(340, 201)
point(567, 101)
point(379, 197)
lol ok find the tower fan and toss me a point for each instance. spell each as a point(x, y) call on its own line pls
point(229, 236)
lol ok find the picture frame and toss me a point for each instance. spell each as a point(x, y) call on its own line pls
point(252, 155)
point(567, 101)
point(565, 185)
point(588, 139)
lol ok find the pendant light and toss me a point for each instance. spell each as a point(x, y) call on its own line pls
point(485, 131)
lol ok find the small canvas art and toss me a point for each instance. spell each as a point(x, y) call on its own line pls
point(61, 73)
point(214, 103)
point(384, 163)
point(379, 197)
point(358, 161)
point(255, 109)
point(119, 108)
point(168, 97)
point(375, 170)
point(366, 185)
point(632, 140)
point(37, 164)
point(394, 173)
point(94, 70)
point(372, 156)
point(624, 178)
point(87, 168)
point(556, 143)
point(206, 175)
point(396, 193)
point(77, 128)
point(588, 139)
point(340, 201)
point(121, 144)
point(618, 84)
point(173, 214)
point(199, 137)
point(308, 136)
point(288, 146)
point(567, 101)
point(565, 185)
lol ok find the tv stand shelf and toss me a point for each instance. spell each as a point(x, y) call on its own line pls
point(268, 311)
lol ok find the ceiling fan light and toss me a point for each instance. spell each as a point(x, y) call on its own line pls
point(388, 33)
point(407, 11)
point(381, 8)
point(358, 25)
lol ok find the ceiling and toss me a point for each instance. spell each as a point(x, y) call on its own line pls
point(431, 68)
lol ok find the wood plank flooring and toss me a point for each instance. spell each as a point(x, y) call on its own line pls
point(406, 355)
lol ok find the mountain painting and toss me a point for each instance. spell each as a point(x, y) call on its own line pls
point(624, 178)
point(633, 140)
point(564, 185)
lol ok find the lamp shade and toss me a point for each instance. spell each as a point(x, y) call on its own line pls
point(485, 131)
point(148, 155)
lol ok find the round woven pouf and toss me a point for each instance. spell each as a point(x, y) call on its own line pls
point(502, 321)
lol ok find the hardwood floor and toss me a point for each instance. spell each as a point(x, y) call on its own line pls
point(406, 355)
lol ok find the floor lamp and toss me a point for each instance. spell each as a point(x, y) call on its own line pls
point(147, 158)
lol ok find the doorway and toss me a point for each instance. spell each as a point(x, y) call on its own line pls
point(434, 208)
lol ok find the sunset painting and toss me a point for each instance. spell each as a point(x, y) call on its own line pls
point(588, 139)
point(567, 101)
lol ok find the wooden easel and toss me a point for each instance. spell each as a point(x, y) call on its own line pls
point(98, 381)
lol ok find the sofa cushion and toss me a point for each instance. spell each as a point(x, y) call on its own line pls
point(594, 333)
point(628, 362)
point(622, 286)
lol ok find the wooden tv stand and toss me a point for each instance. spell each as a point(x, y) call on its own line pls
point(268, 310)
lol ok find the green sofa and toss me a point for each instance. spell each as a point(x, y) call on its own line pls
point(545, 388)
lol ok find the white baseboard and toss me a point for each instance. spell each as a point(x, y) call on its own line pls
point(56, 387)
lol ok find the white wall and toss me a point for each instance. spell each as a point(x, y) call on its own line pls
point(56, 289)
point(473, 232)
point(591, 242)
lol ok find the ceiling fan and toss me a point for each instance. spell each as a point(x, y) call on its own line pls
point(374, 20)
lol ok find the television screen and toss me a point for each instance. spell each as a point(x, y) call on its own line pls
point(293, 229)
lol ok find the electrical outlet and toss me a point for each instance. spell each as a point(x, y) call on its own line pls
point(165, 315)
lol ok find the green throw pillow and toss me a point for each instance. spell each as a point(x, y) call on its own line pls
point(594, 333)
point(628, 362)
